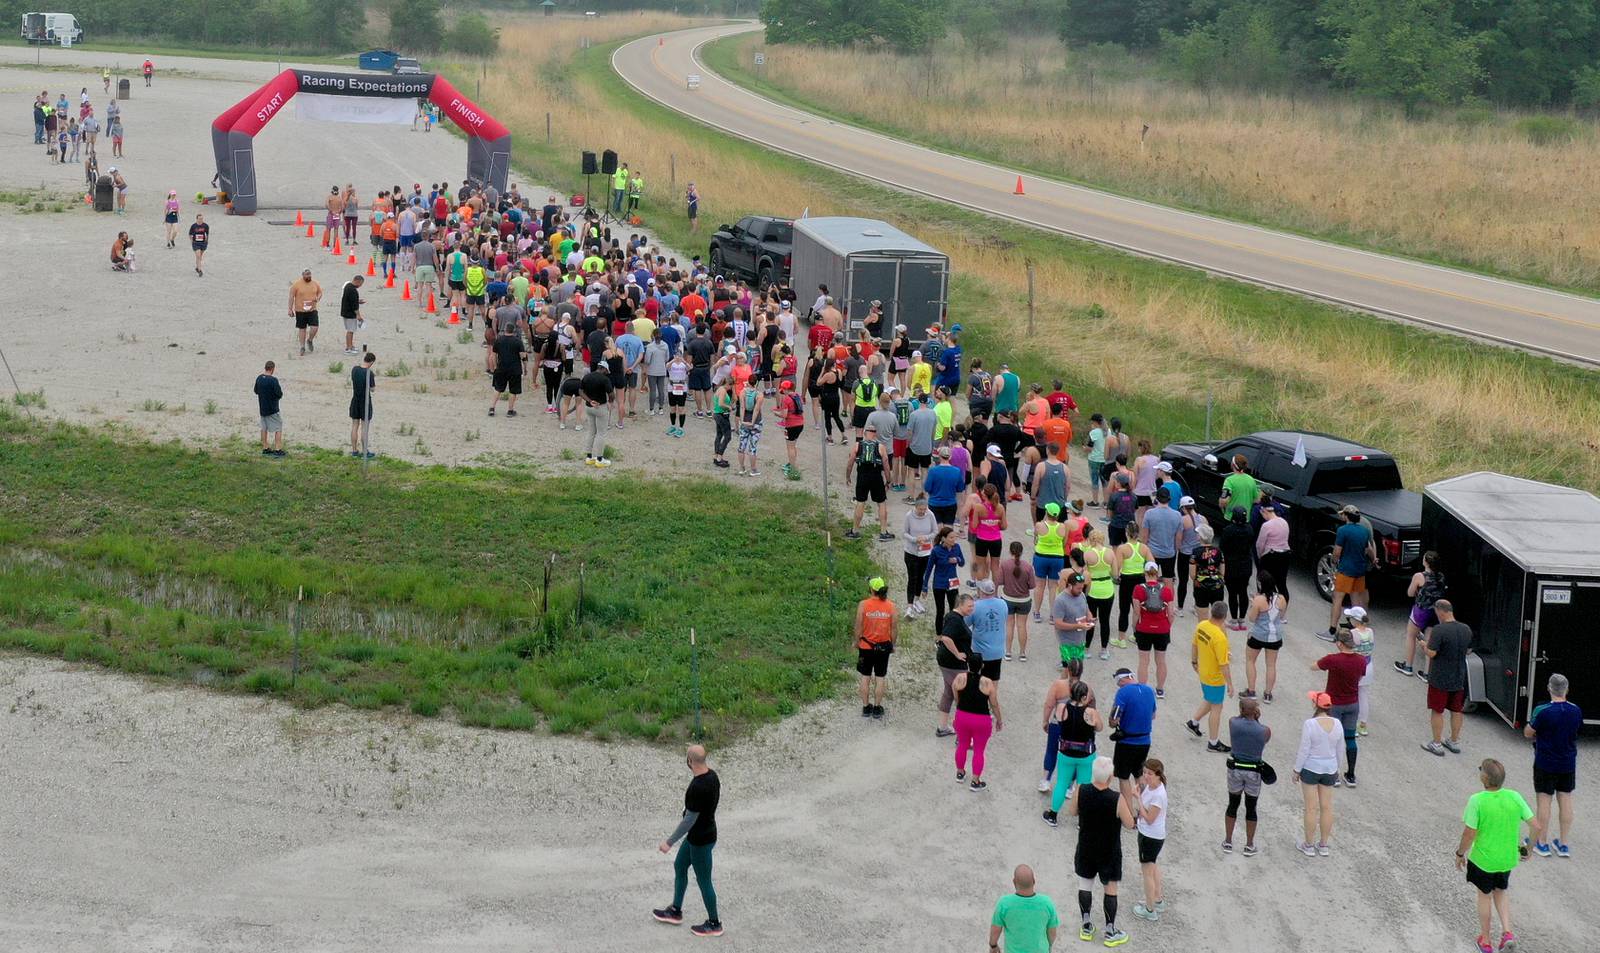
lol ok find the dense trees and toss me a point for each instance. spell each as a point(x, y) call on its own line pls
point(905, 25)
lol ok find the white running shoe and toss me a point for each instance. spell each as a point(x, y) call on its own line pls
point(1045, 785)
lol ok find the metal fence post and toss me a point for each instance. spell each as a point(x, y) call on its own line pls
point(294, 659)
point(694, 674)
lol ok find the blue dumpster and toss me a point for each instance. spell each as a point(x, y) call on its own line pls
point(381, 60)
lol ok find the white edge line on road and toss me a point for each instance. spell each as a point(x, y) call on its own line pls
point(1133, 249)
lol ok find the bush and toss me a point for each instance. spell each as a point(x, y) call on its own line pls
point(473, 35)
point(1548, 130)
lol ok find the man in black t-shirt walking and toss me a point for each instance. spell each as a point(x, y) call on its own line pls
point(698, 829)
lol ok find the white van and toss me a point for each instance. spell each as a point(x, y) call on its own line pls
point(51, 28)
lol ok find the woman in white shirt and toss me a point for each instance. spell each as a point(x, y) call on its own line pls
point(1152, 826)
point(1316, 767)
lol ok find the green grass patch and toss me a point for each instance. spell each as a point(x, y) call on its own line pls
point(138, 49)
point(423, 585)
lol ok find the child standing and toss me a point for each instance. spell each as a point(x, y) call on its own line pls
point(1151, 823)
point(1363, 635)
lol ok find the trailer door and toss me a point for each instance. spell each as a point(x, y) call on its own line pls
point(1563, 642)
point(870, 279)
point(920, 302)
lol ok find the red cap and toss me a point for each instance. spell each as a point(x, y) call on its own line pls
point(786, 385)
point(1320, 699)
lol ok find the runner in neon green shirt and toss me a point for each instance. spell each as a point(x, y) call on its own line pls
point(1490, 847)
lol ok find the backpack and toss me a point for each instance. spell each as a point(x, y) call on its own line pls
point(902, 412)
point(866, 390)
point(1152, 599)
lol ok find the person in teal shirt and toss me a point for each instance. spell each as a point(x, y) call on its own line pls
point(1026, 919)
point(1007, 391)
point(1491, 846)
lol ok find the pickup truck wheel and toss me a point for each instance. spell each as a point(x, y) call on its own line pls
point(764, 276)
point(716, 261)
point(1322, 572)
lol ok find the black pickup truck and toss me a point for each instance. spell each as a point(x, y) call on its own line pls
point(756, 248)
point(1336, 473)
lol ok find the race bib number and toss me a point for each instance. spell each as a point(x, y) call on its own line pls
point(924, 546)
point(679, 388)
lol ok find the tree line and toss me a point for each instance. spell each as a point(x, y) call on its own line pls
point(1532, 53)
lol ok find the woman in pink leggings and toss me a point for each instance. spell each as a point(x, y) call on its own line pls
point(977, 717)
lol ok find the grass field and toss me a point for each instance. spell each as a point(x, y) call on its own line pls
point(1132, 337)
point(1487, 190)
point(134, 51)
point(423, 586)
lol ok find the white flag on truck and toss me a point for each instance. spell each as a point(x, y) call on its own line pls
point(1299, 452)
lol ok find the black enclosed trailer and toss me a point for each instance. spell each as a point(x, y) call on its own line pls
point(1522, 568)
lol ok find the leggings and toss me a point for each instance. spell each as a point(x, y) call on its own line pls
point(1183, 578)
point(1102, 611)
point(698, 857)
point(830, 415)
point(350, 227)
point(972, 731)
point(915, 567)
point(597, 424)
point(943, 599)
point(1249, 805)
point(724, 434)
point(552, 384)
point(1052, 744)
point(1072, 771)
point(658, 391)
point(1277, 563)
point(1125, 584)
point(1238, 595)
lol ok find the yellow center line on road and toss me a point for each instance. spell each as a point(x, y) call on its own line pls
point(1068, 206)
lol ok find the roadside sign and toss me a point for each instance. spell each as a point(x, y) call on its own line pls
point(694, 80)
point(761, 59)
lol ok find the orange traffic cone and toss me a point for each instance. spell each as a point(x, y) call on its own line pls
point(455, 316)
point(433, 307)
point(88, 199)
point(405, 290)
point(1018, 189)
point(299, 219)
point(389, 282)
point(372, 267)
point(336, 249)
point(352, 259)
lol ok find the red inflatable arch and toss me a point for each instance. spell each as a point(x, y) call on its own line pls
point(233, 132)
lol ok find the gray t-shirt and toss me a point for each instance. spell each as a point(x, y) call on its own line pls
point(923, 422)
point(425, 253)
point(884, 420)
point(1164, 523)
point(1069, 607)
point(506, 318)
point(1248, 737)
point(656, 354)
point(1448, 670)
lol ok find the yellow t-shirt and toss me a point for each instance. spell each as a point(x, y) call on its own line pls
point(1211, 647)
point(922, 376)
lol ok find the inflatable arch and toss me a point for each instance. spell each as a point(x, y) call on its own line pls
point(233, 132)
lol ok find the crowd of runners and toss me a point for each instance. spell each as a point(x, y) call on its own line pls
point(616, 331)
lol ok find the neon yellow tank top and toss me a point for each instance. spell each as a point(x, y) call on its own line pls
point(1134, 566)
point(1052, 542)
point(1100, 584)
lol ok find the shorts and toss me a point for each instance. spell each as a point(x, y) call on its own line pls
point(1142, 500)
point(871, 487)
point(1244, 782)
point(1097, 475)
point(1258, 645)
point(1485, 881)
point(504, 379)
point(1128, 760)
point(1441, 700)
point(1107, 868)
point(1150, 848)
point(1308, 776)
point(424, 274)
point(474, 299)
point(630, 380)
point(918, 461)
point(991, 669)
point(1070, 651)
point(1551, 782)
point(1169, 566)
point(273, 423)
point(1153, 641)
point(1214, 694)
point(1423, 619)
point(406, 241)
point(858, 417)
point(749, 438)
point(352, 324)
point(305, 319)
point(790, 434)
point(900, 446)
point(196, 248)
point(699, 379)
point(1349, 584)
point(986, 547)
point(172, 218)
point(1205, 595)
point(390, 246)
point(1048, 568)
point(376, 240)
point(872, 662)
point(677, 400)
point(457, 284)
point(1014, 607)
point(332, 220)
point(946, 515)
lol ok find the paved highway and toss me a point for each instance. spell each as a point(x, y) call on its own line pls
point(1538, 319)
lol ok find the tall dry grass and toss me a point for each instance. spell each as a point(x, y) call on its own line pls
point(1442, 409)
point(1470, 187)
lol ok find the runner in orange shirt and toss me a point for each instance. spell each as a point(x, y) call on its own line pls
point(389, 232)
point(876, 626)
